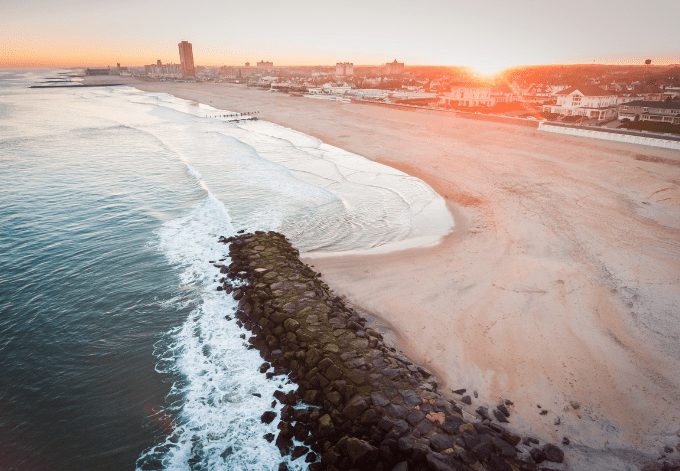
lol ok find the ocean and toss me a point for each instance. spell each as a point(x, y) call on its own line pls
point(115, 352)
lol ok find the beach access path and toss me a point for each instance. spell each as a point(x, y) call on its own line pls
point(560, 284)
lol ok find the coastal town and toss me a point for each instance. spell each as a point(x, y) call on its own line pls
point(358, 236)
point(639, 97)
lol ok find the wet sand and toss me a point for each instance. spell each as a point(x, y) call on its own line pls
point(561, 281)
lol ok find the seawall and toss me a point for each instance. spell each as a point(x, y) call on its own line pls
point(359, 404)
point(667, 142)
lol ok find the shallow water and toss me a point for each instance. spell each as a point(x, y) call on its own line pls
point(114, 348)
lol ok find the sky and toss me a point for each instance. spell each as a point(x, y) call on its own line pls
point(487, 35)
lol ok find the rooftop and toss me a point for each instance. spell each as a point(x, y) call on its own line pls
point(666, 105)
point(586, 90)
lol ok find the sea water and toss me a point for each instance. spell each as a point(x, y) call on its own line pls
point(116, 351)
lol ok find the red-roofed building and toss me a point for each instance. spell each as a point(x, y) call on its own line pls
point(589, 101)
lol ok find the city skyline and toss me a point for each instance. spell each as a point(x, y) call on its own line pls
point(486, 37)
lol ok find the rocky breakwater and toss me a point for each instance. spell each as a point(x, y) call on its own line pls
point(359, 403)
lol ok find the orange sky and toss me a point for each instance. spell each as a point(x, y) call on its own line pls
point(487, 35)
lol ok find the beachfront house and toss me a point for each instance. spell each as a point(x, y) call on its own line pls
point(335, 89)
point(467, 96)
point(658, 111)
point(589, 101)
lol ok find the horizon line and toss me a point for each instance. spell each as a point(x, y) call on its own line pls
point(554, 64)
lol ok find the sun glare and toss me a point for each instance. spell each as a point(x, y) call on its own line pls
point(488, 68)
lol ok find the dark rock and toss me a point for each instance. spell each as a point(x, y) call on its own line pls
point(452, 424)
point(553, 453)
point(284, 398)
point(504, 410)
point(291, 325)
point(283, 442)
point(268, 417)
point(269, 437)
point(504, 448)
point(355, 407)
point(369, 417)
point(511, 438)
point(471, 440)
point(441, 441)
point(483, 412)
point(379, 399)
point(310, 396)
point(483, 450)
point(401, 466)
point(438, 462)
point(360, 450)
point(499, 416)
point(411, 398)
point(497, 463)
point(325, 423)
point(537, 455)
point(369, 407)
point(415, 417)
point(400, 427)
point(298, 451)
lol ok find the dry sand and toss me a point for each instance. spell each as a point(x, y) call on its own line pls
point(560, 283)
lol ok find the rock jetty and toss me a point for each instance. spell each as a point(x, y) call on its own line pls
point(359, 404)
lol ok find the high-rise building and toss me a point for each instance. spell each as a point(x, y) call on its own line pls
point(344, 69)
point(186, 59)
point(394, 68)
point(265, 65)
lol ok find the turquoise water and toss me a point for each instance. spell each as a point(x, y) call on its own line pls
point(114, 348)
point(84, 290)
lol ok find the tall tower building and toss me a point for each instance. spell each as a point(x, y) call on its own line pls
point(344, 69)
point(186, 59)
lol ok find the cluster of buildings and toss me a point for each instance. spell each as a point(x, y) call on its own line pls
point(184, 70)
point(160, 70)
point(596, 103)
point(391, 83)
point(650, 111)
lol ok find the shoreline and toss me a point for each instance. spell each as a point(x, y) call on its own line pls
point(610, 356)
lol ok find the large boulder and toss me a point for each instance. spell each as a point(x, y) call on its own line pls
point(360, 451)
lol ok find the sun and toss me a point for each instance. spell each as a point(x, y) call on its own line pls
point(489, 67)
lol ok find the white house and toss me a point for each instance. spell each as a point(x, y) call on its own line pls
point(585, 100)
point(468, 97)
point(333, 89)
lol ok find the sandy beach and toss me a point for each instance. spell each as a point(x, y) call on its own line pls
point(559, 287)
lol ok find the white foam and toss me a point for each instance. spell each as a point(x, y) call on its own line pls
point(254, 175)
point(327, 200)
point(217, 418)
